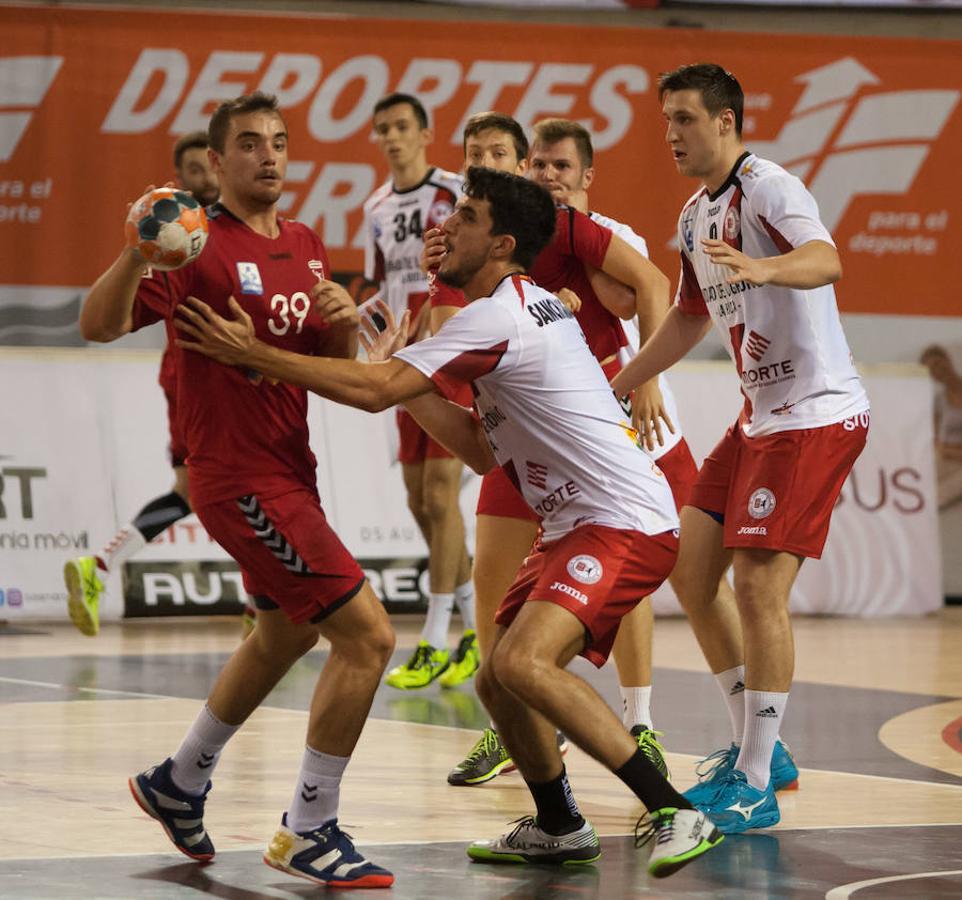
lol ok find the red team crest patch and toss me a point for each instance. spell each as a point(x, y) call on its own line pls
point(586, 569)
point(761, 504)
point(732, 223)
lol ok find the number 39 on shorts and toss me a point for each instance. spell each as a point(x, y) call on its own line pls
point(284, 310)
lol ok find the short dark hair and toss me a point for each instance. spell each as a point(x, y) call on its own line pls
point(519, 207)
point(719, 89)
point(239, 106)
point(550, 131)
point(193, 140)
point(396, 99)
point(485, 121)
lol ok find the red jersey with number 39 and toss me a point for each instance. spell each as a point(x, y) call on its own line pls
point(787, 343)
point(244, 437)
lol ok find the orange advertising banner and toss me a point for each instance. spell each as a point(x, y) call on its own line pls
point(91, 102)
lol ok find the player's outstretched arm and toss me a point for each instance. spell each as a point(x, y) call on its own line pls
point(106, 312)
point(812, 265)
point(371, 387)
point(337, 307)
point(676, 335)
point(449, 424)
point(651, 289)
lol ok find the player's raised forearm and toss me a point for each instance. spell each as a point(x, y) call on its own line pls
point(454, 428)
point(810, 266)
point(673, 338)
point(340, 342)
point(105, 315)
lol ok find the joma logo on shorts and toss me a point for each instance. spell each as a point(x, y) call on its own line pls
point(570, 591)
point(753, 529)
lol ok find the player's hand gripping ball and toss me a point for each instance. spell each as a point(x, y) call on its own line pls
point(168, 227)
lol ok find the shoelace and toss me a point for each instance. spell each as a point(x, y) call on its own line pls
point(487, 744)
point(522, 824)
point(660, 827)
point(421, 657)
point(709, 767)
point(463, 647)
point(648, 741)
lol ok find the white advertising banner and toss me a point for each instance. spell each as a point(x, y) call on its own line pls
point(84, 438)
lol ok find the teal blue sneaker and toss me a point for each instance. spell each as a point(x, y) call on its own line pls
point(738, 807)
point(784, 771)
point(714, 769)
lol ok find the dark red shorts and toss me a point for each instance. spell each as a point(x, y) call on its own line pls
point(499, 497)
point(777, 492)
point(177, 446)
point(288, 554)
point(598, 574)
point(681, 471)
point(415, 444)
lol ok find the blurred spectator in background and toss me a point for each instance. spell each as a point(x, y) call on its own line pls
point(948, 423)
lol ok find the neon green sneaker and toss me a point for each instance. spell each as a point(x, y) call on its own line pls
point(425, 664)
point(487, 758)
point(527, 843)
point(648, 742)
point(466, 660)
point(84, 588)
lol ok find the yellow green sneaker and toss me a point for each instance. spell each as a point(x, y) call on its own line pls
point(424, 666)
point(84, 588)
point(466, 660)
point(648, 742)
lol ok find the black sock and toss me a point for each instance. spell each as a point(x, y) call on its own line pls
point(160, 514)
point(649, 785)
point(557, 810)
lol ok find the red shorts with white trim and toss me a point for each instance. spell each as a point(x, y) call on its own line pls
point(289, 556)
point(177, 446)
point(499, 497)
point(599, 574)
point(777, 492)
point(681, 471)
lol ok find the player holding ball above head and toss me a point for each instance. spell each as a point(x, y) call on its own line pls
point(609, 536)
point(252, 481)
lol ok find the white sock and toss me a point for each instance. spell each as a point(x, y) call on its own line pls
point(318, 790)
point(464, 599)
point(125, 544)
point(435, 630)
point(636, 706)
point(199, 752)
point(731, 683)
point(764, 711)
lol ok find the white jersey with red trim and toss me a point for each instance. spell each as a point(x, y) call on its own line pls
point(787, 344)
point(394, 222)
point(633, 336)
point(550, 416)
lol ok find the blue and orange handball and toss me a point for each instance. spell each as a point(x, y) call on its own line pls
point(168, 227)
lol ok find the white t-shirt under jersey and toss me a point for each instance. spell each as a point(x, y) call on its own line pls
point(633, 336)
point(787, 344)
point(548, 412)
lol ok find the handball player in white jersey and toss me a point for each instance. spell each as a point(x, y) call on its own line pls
point(758, 265)
point(545, 412)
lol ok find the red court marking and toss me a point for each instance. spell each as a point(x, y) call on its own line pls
point(952, 735)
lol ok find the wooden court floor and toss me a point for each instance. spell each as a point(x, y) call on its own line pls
point(875, 721)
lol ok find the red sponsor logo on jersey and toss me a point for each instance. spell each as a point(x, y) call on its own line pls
point(756, 345)
point(317, 267)
point(537, 474)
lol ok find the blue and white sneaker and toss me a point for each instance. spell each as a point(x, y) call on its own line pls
point(738, 806)
point(325, 856)
point(714, 769)
point(180, 814)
